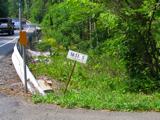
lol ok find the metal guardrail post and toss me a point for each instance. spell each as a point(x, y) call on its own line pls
point(23, 47)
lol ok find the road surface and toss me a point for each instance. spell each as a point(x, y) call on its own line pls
point(7, 44)
point(15, 105)
point(14, 108)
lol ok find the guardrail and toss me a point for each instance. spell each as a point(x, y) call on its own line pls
point(32, 83)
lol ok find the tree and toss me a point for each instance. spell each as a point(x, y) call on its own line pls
point(3, 8)
point(79, 23)
point(125, 29)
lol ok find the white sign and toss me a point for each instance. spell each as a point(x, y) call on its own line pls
point(82, 58)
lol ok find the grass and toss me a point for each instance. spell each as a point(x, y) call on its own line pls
point(99, 84)
point(113, 101)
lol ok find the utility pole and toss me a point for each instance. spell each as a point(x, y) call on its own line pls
point(20, 15)
point(23, 47)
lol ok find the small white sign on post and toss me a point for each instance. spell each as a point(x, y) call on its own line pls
point(79, 57)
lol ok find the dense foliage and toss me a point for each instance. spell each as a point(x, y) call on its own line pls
point(125, 31)
point(3, 10)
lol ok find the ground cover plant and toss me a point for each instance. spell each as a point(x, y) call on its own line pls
point(121, 39)
point(93, 86)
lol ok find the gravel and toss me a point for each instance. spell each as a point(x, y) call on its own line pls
point(10, 83)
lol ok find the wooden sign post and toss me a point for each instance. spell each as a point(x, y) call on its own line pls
point(77, 57)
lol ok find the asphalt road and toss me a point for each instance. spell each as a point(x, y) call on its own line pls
point(7, 44)
point(15, 106)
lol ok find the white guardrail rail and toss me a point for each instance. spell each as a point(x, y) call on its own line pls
point(18, 64)
point(32, 83)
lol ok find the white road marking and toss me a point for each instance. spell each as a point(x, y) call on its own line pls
point(14, 38)
point(11, 37)
point(9, 42)
point(3, 41)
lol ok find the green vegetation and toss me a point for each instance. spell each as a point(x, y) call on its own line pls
point(93, 86)
point(122, 41)
point(3, 8)
point(113, 101)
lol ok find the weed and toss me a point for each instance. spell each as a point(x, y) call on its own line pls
point(99, 84)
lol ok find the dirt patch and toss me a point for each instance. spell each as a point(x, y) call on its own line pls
point(10, 84)
point(55, 84)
